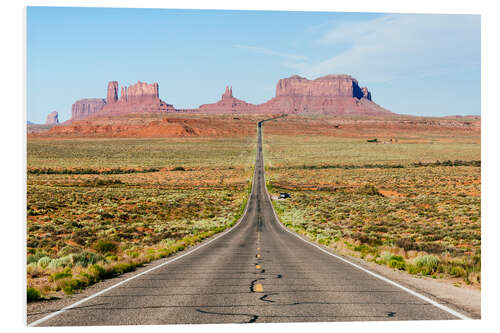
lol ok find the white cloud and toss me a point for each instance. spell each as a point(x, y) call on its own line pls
point(266, 51)
point(390, 46)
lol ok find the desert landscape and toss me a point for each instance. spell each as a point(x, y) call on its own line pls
point(130, 179)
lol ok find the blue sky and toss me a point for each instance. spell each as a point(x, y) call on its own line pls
point(425, 64)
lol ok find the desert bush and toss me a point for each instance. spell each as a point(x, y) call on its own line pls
point(105, 246)
point(394, 261)
point(178, 168)
point(426, 264)
point(60, 262)
point(61, 275)
point(33, 258)
point(86, 258)
point(44, 262)
point(33, 294)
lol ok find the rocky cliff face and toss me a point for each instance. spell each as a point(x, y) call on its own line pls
point(139, 97)
point(228, 104)
point(326, 86)
point(52, 118)
point(84, 108)
point(112, 96)
point(331, 94)
point(140, 92)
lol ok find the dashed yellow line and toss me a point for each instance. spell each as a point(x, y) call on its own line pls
point(259, 288)
point(258, 255)
point(257, 266)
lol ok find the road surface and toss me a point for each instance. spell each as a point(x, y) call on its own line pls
point(256, 272)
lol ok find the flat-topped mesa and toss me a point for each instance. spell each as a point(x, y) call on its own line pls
point(136, 98)
point(52, 118)
point(340, 85)
point(87, 107)
point(140, 92)
point(227, 104)
point(331, 94)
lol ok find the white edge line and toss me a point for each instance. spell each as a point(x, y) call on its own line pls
point(422, 297)
point(43, 319)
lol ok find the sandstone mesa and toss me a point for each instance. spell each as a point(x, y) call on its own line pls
point(52, 118)
point(330, 94)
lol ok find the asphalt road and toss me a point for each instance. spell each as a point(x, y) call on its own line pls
point(256, 272)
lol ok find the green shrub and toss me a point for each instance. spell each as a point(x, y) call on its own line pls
point(393, 261)
point(106, 246)
point(33, 258)
point(426, 264)
point(458, 271)
point(133, 254)
point(179, 168)
point(412, 269)
point(33, 294)
point(44, 262)
point(61, 275)
point(60, 262)
point(85, 259)
point(99, 272)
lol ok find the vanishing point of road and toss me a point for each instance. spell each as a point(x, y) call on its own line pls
point(257, 271)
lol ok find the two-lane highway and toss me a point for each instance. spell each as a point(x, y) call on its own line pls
point(256, 272)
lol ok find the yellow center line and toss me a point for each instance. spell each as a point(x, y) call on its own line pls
point(258, 255)
point(257, 266)
point(259, 288)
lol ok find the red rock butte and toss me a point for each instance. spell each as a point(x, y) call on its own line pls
point(52, 118)
point(227, 104)
point(330, 94)
point(139, 97)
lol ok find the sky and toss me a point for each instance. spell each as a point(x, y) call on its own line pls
point(418, 64)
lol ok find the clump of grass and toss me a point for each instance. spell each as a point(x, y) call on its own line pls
point(394, 261)
point(178, 168)
point(61, 275)
point(86, 258)
point(33, 294)
point(104, 246)
point(425, 265)
point(33, 258)
point(60, 262)
point(44, 262)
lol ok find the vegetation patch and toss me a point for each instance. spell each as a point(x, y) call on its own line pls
point(399, 211)
point(82, 229)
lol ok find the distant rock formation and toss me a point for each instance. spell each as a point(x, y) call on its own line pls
point(112, 96)
point(330, 94)
point(84, 108)
point(228, 104)
point(139, 97)
point(52, 118)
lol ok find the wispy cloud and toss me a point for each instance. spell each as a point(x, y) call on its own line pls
point(391, 46)
point(266, 51)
